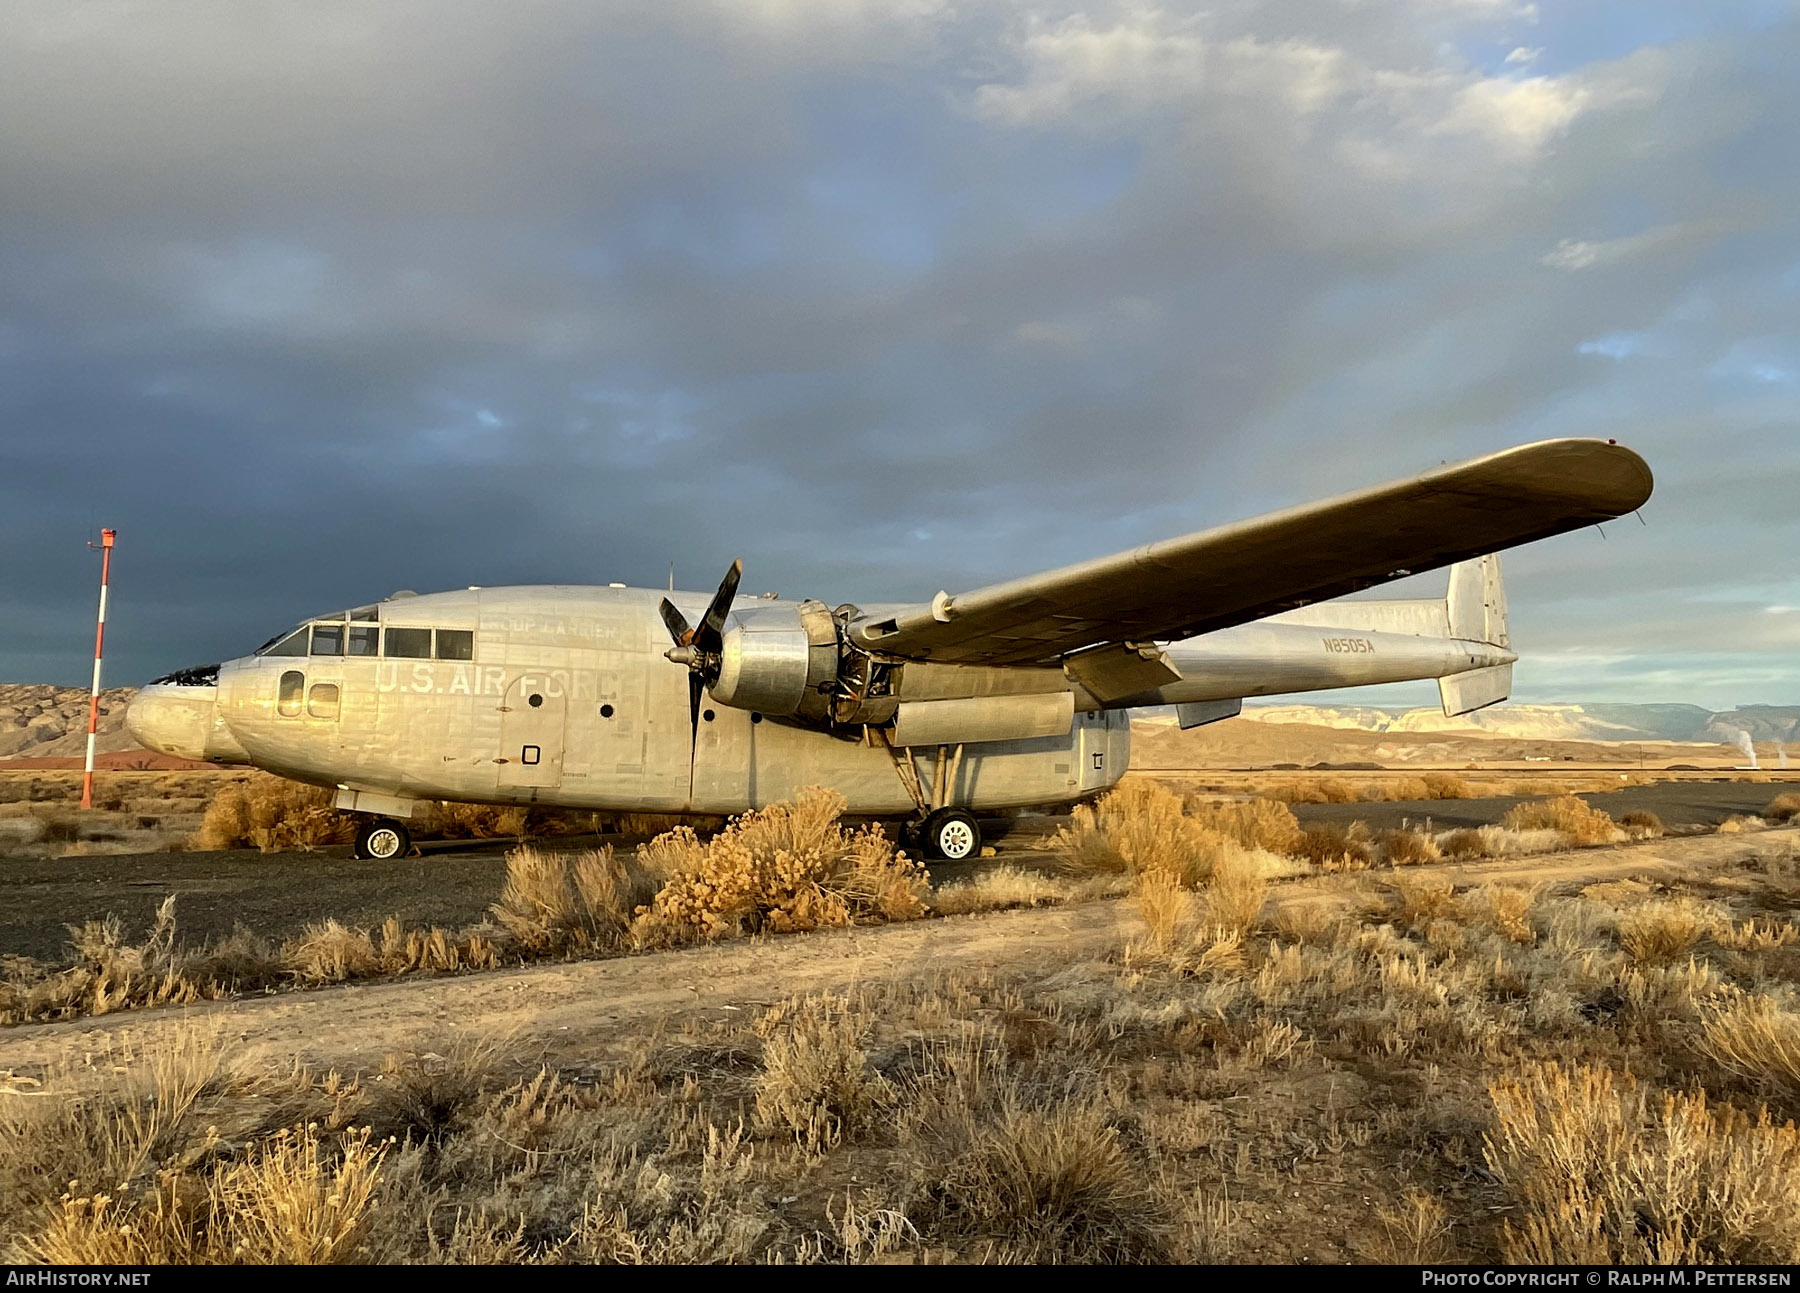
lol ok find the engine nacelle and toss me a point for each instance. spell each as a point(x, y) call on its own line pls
point(779, 659)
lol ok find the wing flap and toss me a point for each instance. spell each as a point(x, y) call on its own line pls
point(1233, 574)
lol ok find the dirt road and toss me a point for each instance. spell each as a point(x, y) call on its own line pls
point(567, 1013)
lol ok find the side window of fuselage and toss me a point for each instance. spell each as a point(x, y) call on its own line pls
point(287, 699)
point(455, 644)
point(409, 644)
point(322, 701)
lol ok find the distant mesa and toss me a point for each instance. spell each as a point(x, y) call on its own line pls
point(1564, 722)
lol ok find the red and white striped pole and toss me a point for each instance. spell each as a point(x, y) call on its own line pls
point(87, 780)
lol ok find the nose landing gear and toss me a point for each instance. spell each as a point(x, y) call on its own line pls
point(381, 840)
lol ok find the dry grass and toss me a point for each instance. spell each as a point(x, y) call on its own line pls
point(1414, 1232)
point(1338, 1079)
point(558, 903)
point(1642, 825)
point(1758, 1041)
point(1581, 823)
point(1604, 1172)
point(785, 867)
point(1001, 887)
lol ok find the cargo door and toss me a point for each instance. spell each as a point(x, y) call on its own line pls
point(532, 722)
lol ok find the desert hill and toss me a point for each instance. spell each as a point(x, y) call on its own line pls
point(1564, 722)
point(44, 722)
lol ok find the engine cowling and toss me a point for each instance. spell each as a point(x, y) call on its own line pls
point(779, 659)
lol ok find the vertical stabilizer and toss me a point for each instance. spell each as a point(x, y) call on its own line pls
point(1476, 601)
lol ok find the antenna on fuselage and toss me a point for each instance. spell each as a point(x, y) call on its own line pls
point(671, 576)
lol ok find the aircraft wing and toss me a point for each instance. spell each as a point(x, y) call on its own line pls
point(1215, 578)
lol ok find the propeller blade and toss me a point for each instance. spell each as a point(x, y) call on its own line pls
point(696, 689)
point(677, 623)
point(710, 636)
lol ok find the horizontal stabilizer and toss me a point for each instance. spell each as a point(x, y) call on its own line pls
point(1464, 693)
point(1200, 713)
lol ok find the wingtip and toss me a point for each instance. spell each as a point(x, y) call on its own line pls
point(1603, 475)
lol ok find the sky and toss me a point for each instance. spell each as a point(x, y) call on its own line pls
point(316, 302)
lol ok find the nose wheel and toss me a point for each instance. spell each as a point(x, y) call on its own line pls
point(382, 840)
point(951, 835)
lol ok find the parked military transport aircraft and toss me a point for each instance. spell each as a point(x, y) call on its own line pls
point(1012, 695)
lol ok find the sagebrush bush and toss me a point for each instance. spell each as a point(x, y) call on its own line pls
point(789, 866)
point(473, 821)
point(1331, 847)
point(1603, 1172)
point(1258, 823)
point(1140, 826)
point(1576, 818)
point(1642, 825)
point(1463, 845)
point(1409, 848)
point(1657, 933)
point(1783, 808)
point(816, 1083)
point(1046, 1184)
point(1446, 785)
point(1504, 908)
point(271, 813)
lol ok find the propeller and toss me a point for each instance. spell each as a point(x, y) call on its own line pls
point(699, 648)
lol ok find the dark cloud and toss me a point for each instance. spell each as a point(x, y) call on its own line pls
point(315, 303)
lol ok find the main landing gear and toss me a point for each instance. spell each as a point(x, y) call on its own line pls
point(382, 839)
point(951, 835)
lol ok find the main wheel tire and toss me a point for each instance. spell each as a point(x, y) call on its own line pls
point(952, 835)
point(382, 841)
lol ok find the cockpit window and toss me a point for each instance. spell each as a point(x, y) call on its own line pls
point(291, 644)
point(328, 639)
point(364, 639)
point(455, 644)
point(409, 644)
point(363, 615)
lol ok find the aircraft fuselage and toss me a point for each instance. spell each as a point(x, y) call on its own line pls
point(564, 695)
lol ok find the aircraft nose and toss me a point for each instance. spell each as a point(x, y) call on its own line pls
point(172, 719)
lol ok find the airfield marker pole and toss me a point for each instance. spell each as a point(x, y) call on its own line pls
point(87, 777)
